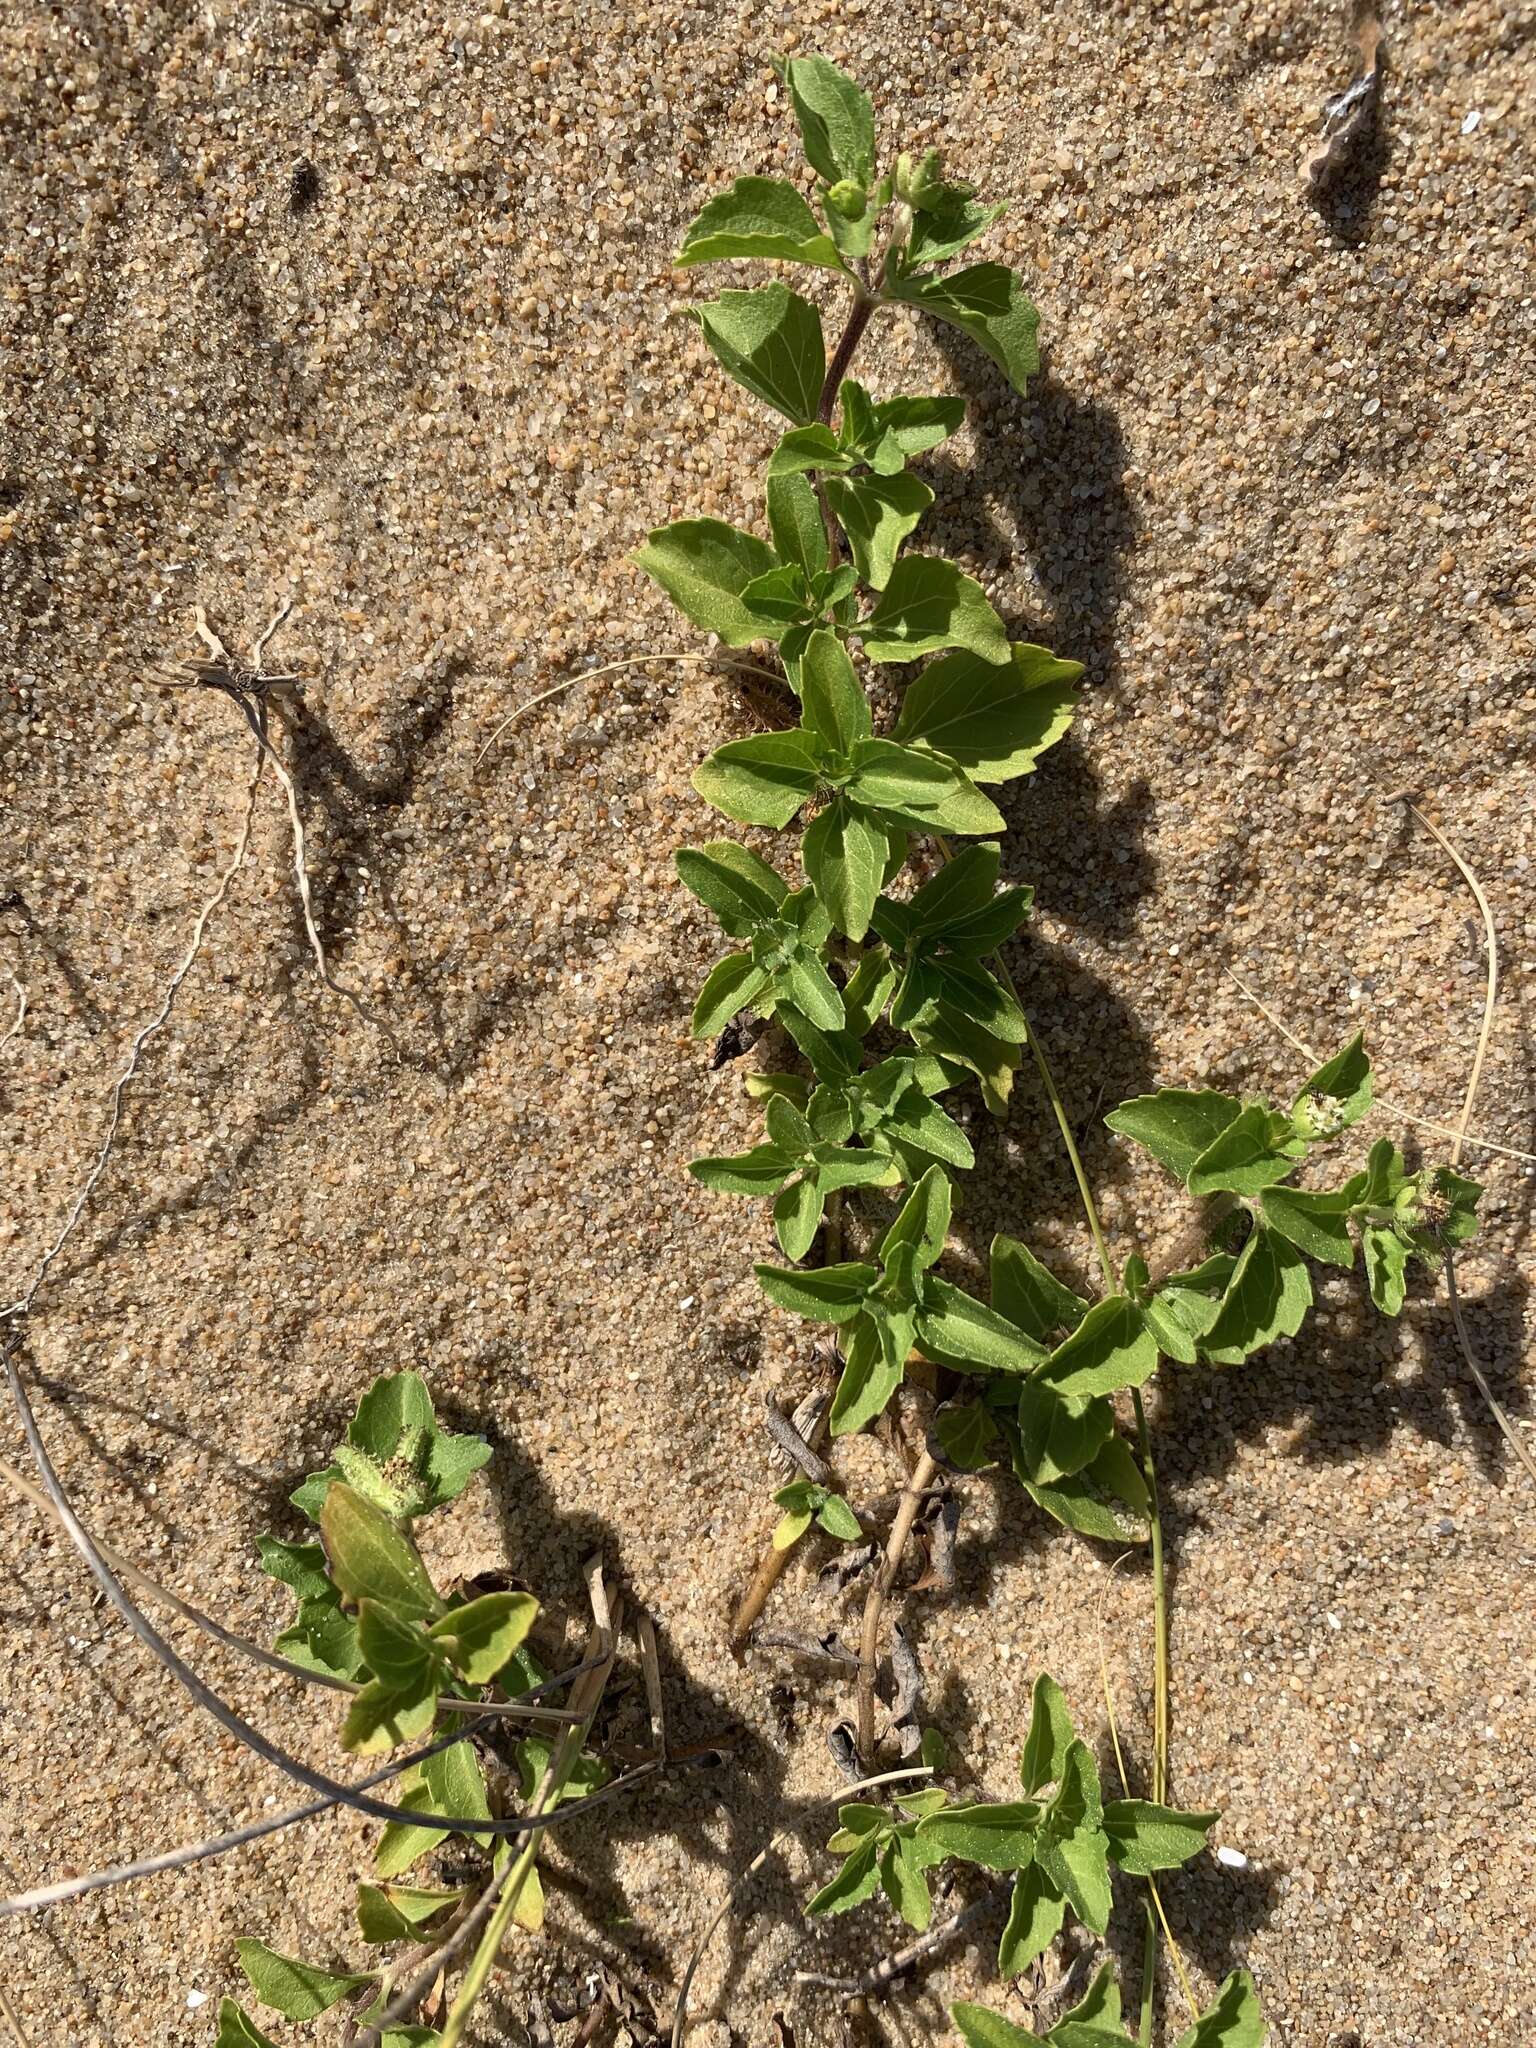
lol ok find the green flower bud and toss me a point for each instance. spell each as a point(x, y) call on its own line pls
point(919, 185)
point(848, 198)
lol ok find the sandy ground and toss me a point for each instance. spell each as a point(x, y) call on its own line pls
point(1274, 488)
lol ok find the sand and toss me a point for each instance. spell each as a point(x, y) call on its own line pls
point(1273, 487)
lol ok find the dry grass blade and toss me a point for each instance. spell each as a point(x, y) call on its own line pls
point(12, 2019)
point(1460, 1135)
point(1474, 1081)
point(844, 1793)
point(591, 675)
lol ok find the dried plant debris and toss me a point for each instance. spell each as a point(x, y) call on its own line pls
point(1349, 118)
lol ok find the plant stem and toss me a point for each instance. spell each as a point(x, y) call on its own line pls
point(869, 1641)
point(1148, 1977)
point(585, 1700)
point(853, 333)
point(1159, 1609)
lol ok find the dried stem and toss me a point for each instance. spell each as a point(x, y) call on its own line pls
point(923, 1473)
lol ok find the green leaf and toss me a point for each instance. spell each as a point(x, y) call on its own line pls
point(829, 1294)
point(1049, 1737)
point(1035, 1916)
point(387, 1712)
point(1337, 1095)
point(732, 881)
point(236, 2030)
point(394, 1650)
point(758, 218)
point(920, 789)
point(995, 719)
point(1060, 1435)
point(1096, 2021)
point(1114, 1471)
point(899, 427)
point(812, 991)
point(761, 1171)
point(797, 1213)
point(770, 340)
point(998, 1836)
point(904, 1884)
point(371, 1559)
point(1234, 2021)
point(966, 1435)
point(844, 853)
point(402, 1842)
point(1386, 1266)
point(1268, 1297)
point(323, 1638)
point(936, 236)
point(1176, 1124)
point(982, 2028)
point(929, 604)
point(1254, 1151)
point(1078, 1502)
point(1144, 1837)
point(1111, 1348)
point(789, 1528)
point(959, 889)
point(300, 1566)
point(297, 1990)
point(949, 1034)
point(869, 1377)
point(733, 984)
point(988, 303)
point(839, 1520)
point(759, 781)
point(959, 1331)
point(836, 709)
point(1029, 1294)
point(923, 1219)
point(803, 448)
point(794, 520)
point(857, 1881)
point(398, 1912)
point(480, 1637)
point(704, 565)
point(837, 122)
point(396, 1404)
point(1317, 1224)
point(877, 513)
point(1072, 1849)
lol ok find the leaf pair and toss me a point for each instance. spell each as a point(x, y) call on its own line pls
point(1062, 1849)
point(880, 437)
point(800, 1168)
point(805, 1502)
point(939, 939)
point(781, 967)
point(899, 1302)
point(883, 1850)
point(877, 789)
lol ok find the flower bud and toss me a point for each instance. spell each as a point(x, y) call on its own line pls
point(919, 185)
point(848, 199)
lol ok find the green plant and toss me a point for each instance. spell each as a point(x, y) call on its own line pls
point(415, 1664)
point(856, 955)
